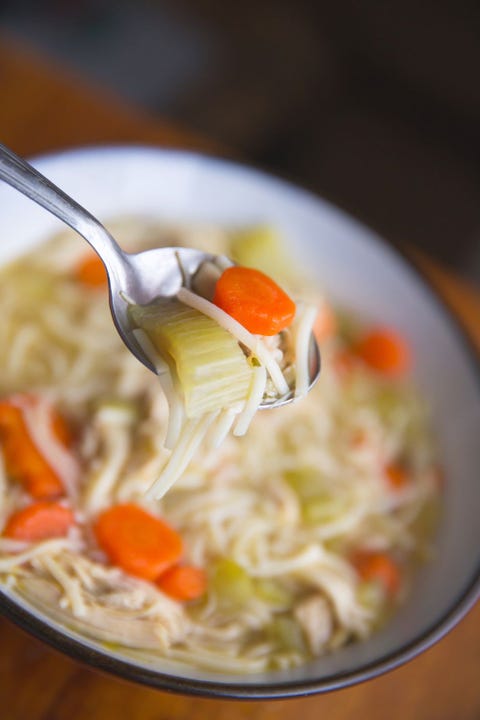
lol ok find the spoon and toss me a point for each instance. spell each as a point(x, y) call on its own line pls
point(140, 276)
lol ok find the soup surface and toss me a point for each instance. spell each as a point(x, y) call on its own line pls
point(275, 547)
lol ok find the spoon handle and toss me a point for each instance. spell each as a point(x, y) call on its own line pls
point(23, 177)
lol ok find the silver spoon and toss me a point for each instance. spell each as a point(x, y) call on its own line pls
point(141, 276)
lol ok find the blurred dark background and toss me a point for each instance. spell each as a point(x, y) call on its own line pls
point(374, 104)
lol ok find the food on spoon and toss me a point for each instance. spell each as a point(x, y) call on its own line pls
point(210, 368)
point(213, 357)
point(255, 300)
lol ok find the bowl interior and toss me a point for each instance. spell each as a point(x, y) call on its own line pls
point(356, 270)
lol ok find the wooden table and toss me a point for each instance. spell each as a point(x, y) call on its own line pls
point(40, 110)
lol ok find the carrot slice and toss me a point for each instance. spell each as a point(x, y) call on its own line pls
point(183, 582)
point(380, 567)
point(91, 272)
point(397, 477)
point(138, 542)
point(255, 300)
point(39, 521)
point(61, 429)
point(23, 461)
point(384, 351)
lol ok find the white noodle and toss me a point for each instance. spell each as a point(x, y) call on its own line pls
point(254, 399)
point(176, 417)
point(47, 547)
point(193, 432)
point(222, 427)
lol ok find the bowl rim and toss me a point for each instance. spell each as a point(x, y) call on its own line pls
point(96, 659)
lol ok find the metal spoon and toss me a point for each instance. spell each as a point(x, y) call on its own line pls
point(141, 276)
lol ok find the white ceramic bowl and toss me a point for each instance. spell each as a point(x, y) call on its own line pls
point(356, 269)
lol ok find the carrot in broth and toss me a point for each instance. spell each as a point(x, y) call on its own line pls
point(138, 542)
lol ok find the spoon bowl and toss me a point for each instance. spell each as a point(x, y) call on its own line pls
point(140, 277)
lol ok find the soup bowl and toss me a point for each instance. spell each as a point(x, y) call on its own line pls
point(356, 269)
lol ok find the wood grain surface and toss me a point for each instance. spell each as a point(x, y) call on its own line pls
point(42, 109)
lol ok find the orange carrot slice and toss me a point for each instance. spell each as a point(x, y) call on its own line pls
point(39, 521)
point(23, 461)
point(183, 582)
point(254, 300)
point(380, 567)
point(384, 351)
point(91, 272)
point(138, 542)
point(397, 477)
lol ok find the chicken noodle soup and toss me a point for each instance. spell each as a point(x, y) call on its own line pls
point(271, 548)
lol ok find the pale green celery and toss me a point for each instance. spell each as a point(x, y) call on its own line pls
point(347, 326)
point(305, 482)
point(399, 406)
point(371, 595)
point(287, 634)
point(391, 399)
point(318, 504)
point(212, 370)
point(261, 247)
point(35, 286)
point(273, 593)
point(322, 508)
point(425, 526)
point(231, 583)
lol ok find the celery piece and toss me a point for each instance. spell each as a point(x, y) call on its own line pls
point(347, 326)
point(323, 508)
point(35, 286)
point(399, 407)
point(394, 400)
point(305, 482)
point(388, 401)
point(273, 593)
point(371, 595)
point(212, 370)
point(287, 634)
point(317, 502)
point(425, 526)
point(261, 247)
point(231, 583)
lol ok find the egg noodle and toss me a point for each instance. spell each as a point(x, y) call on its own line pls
point(274, 517)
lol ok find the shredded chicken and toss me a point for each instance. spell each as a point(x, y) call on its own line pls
point(314, 615)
